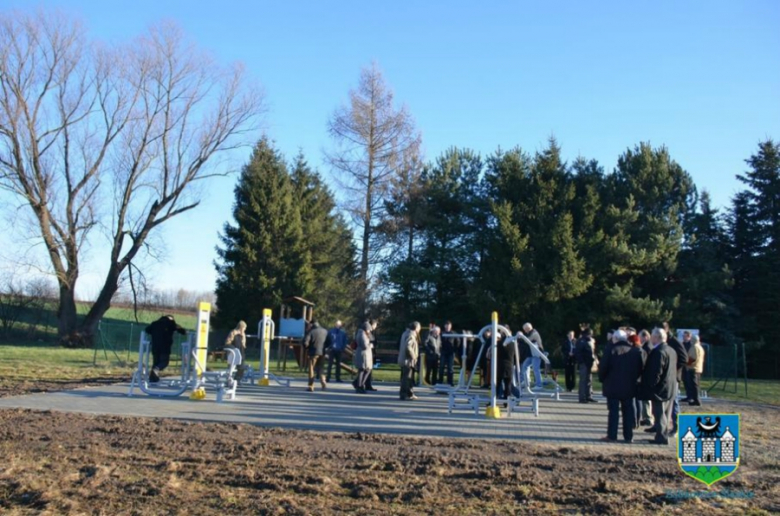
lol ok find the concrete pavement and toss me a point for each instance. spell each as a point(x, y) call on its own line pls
point(340, 409)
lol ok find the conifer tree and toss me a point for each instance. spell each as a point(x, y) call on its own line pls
point(755, 234)
point(534, 202)
point(328, 247)
point(262, 257)
point(704, 280)
point(649, 196)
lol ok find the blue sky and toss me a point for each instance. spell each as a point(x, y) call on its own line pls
point(701, 77)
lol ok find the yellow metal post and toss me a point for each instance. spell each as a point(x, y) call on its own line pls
point(265, 339)
point(202, 336)
point(493, 411)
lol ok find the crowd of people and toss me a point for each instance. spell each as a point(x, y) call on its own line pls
point(640, 373)
point(440, 349)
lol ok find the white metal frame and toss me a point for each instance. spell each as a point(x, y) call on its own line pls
point(220, 381)
point(263, 371)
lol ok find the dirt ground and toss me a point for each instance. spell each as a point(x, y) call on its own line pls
point(57, 463)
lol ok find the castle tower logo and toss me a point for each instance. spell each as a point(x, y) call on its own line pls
point(708, 446)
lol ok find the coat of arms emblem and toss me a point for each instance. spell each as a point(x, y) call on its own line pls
point(708, 446)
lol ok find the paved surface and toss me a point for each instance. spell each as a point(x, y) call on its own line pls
point(340, 409)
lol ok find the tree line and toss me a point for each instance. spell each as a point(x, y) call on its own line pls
point(528, 234)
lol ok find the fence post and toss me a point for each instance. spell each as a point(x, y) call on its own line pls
point(129, 342)
point(744, 365)
point(94, 344)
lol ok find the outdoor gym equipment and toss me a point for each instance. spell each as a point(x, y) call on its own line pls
point(193, 373)
point(460, 397)
point(461, 386)
point(265, 334)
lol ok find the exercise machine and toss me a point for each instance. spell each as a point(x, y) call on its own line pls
point(193, 374)
point(265, 334)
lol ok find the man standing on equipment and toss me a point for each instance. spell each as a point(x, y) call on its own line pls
point(161, 332)
point(536, 362)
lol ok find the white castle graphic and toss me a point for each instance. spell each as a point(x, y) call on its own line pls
point(709, 448)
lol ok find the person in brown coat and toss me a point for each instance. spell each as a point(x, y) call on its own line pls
point(408, 353)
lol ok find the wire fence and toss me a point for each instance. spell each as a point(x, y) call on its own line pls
point(118, 343)
point(725, 367)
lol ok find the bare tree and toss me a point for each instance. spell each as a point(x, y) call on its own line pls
point(372, 138)
point(110, 137)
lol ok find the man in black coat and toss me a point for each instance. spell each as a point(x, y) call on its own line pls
point(162, 331)
point(682, 359)
point(314, 343)
point(658, 384)
point(646, 416)
point(449, 348)
point(570, 364)
point(506, 363)
point(619, 371)
point(585, 356)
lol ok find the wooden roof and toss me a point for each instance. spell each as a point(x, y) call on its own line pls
point(298, 300)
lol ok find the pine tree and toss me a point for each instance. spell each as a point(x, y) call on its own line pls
point(537, 254)
point(262, 255)
point(328, 247)
point(755, 234)
point(649, 194)
point(704, 279)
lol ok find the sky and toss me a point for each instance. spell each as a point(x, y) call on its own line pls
point(700, 77)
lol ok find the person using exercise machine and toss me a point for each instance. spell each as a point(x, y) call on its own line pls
point(161, 332)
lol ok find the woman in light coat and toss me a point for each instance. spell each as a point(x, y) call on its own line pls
point(363, 357)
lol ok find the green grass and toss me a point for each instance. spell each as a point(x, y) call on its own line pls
point(23, 359)
point(759, 391)
point(54, 363)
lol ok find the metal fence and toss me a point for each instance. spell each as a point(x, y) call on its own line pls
point(725, 367)
point(118, 343)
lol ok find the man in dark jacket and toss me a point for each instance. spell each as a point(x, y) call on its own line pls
point(658, 384)
point(525, 359)
point(682, 359)
point(337, 343)
point(449, 347)
point(506, 362)
point(161, 332)
point(570, 363)
point(619, 370)
point(585, 356)
point(314, 343)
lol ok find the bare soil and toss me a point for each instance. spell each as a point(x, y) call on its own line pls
point(57, 463)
